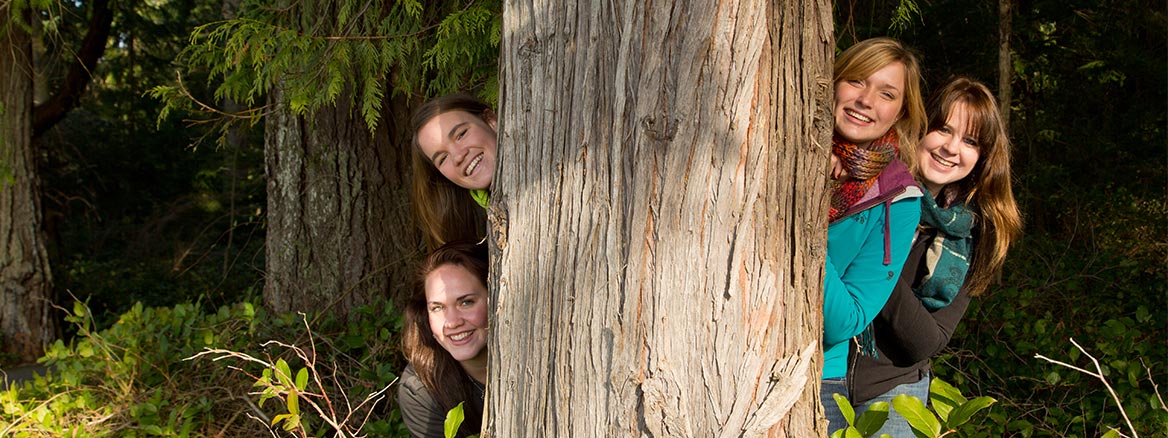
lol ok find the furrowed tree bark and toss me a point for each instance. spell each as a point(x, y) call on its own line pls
point(657, 219)
point(1005, 64)
point(339, 231)
point(25, 279)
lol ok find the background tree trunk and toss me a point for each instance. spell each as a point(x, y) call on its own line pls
point(339, 230)
point(1005, 65)
point(658, 219)
point(25, 280)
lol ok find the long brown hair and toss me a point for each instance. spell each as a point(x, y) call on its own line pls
point(986, 190)
point(442, 210)
point(441, 374)
point(870, 55)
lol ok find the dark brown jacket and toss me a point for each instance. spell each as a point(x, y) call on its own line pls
point(907, 335)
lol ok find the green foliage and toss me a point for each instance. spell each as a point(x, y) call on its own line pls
point(317, 51)
point(128, 376)
point(453, 421)
point(902, 17)
point(950, 410)
point(131, 379)
point(1037, 315)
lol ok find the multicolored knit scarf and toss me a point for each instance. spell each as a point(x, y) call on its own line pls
point(863, 166)
point(947, 258)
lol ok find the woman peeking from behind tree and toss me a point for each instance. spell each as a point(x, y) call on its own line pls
point(445, 341)
point(879, 114)
point(968, 221)
point(454, 162)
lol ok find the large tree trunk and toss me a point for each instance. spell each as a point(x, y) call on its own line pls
point(658, 219)
point(1005, 63)
point(339, 230)
point(25, 279)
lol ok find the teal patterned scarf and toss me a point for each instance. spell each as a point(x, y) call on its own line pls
point(947, 259)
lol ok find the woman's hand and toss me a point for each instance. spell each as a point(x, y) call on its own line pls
point(837, 169)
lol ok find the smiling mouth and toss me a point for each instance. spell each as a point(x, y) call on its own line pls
point(472, 166)
point(460, 336)
point(943, 161)
point(858, 116)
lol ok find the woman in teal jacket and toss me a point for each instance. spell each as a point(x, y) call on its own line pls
point(879, 115)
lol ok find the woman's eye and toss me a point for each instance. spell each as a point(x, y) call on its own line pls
point(945, 130)
point(460, 134)
point(888, 96)
point(969, 141)
point(435, 308)
point(467, 303)
point(441, 159)
point(856, 82)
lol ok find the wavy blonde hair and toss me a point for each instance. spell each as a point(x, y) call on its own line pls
point(870, 55)
point(987, 189)
point(443, 211)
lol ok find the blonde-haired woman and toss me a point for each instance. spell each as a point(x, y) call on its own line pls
point(879, 115)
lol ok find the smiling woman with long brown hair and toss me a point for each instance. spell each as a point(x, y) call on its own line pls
point(453, 155)
point(445, 340)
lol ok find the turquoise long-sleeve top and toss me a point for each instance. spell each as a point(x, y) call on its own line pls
point(857, 281)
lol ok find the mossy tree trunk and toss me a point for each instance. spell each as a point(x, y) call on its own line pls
point(338, 225)
point(25, 279)
point(658, 219)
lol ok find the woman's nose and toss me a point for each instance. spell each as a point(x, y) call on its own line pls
point(865, 98)
point(453, 319)
point(953, 145)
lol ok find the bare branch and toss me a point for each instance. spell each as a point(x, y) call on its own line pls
point(1098, 375)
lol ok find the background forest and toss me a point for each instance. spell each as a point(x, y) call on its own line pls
point(156, 208)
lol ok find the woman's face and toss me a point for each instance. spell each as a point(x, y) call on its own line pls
point(461, 146)
point(865, 109)
point(456, 302)
point(949, 153)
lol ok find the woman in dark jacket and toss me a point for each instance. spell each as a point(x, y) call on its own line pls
point(445, 341)
point(968, 221)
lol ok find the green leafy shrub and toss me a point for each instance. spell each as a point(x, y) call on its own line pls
point(136, 377)
point(1087, 290)
point(949, 410)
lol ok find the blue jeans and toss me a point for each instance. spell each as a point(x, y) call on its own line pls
point(897, 426)
point(835, 418)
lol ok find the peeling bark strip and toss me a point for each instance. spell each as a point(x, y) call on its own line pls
point(661, 171)
point(25, 280)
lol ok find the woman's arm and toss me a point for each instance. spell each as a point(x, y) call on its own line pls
point(854, 294)
point(909, 333)
point(422, 414)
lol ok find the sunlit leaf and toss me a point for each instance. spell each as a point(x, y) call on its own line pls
point(918, 417)
point(872, 419)
point(453, 420)
point(284, 374)
point(302, 379)
point(944, 397)
point(964, 412)
point(845, 407)
point(293, 403)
